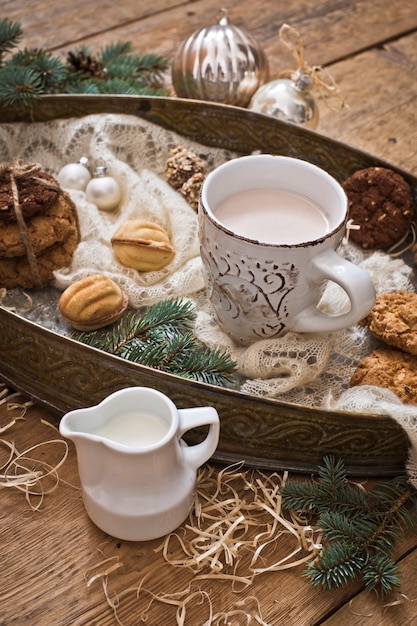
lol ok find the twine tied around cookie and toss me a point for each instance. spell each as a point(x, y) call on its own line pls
point(14, 172)
point(315, 75)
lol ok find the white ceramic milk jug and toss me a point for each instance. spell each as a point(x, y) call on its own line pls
point(137, 474)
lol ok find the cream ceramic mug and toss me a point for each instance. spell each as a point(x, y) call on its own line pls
point(137, 473)
point(269, 228)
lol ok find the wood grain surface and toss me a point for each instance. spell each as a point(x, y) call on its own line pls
point(47, 555)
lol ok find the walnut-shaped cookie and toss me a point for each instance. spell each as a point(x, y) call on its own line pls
point(92, 302)
point(142, 245)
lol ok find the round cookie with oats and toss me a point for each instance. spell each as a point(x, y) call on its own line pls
point(39, 229)
point(381, 204)
point(393, 369)
point(393, 319)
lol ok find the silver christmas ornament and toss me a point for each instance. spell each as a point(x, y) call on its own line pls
point(221, 63)
point(75, 175)
point(288, 99)
point(103, 190)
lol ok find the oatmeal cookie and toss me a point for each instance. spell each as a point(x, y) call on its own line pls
point(33, 195)
point(17, 272)
point(381, 203)
point(39, 228)
point(52, 225)
point(392, 369)
point(393, 318)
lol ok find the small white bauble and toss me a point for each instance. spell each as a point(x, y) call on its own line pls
point(103, 190)
point(75, 175)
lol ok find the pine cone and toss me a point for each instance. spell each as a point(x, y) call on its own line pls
point(87, 64)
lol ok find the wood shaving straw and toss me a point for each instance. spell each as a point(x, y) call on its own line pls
point(229, 539)
point(21, 470)
point(227, 528)
point(15, 300)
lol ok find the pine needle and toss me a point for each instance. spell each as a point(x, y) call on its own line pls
point(360, 528)
point(161, 337)
point(27, 74)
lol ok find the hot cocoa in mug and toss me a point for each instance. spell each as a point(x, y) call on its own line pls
point(269, 230)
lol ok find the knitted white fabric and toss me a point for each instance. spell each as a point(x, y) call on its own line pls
point(311, 370)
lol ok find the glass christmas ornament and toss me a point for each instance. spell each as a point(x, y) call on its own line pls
point(220, 63)
point(75, 175)
point(288, 99)
point(103, 190)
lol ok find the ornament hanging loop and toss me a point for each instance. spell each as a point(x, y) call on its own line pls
point(292, 40)
point(309, 77)
point(223, 17)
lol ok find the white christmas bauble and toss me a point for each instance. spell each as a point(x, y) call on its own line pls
point(75, 175)
point(103, 191)
point(288, 100)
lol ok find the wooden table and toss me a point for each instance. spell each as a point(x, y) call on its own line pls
point(47, 555)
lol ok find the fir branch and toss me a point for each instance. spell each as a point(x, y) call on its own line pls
point(339, 564)
point(331, 490)
point(84, 86)
point(118, 86)
point(19, 85)
point(117, 68)
point(114, 51)
point(168, 315)
point(359, 528)
point(152, 66)
point(10, 35)
point(337, 526)
point(381, 573)
point(113, 70)
point(161, 337)
point(50, 69)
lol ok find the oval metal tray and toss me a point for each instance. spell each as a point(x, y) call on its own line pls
point(64, 374)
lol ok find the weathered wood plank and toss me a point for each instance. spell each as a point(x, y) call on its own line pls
point(381, 95)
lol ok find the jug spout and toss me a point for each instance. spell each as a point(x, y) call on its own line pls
point(68, 431)
point(82, 424)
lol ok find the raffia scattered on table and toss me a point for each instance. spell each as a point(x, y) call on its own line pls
point(21, 469)
point(228, 538)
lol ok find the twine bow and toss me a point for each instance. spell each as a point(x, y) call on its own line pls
point(319, 77)
point(19, 171)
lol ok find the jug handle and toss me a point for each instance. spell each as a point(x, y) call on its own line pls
point(200, 416)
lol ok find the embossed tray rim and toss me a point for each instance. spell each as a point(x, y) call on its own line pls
point(370, 445)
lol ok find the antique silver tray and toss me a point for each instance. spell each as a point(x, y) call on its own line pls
point(63, 374)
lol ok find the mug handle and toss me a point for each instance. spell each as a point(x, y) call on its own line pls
point(200, 416)
point(353, 280)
